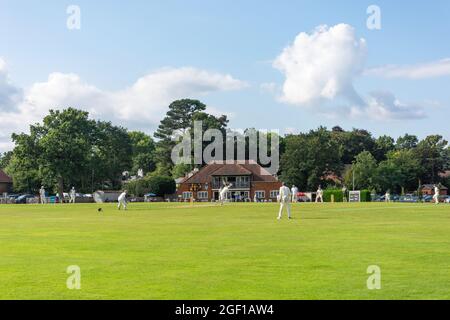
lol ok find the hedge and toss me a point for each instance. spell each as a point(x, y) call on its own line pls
point(338, 195)
point(366, 196)
point(159, 185)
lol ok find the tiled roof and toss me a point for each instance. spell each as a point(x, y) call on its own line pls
point(231, 169)
point(5, 178)
point(260, 174)
point(431, 186)
point(203, 175)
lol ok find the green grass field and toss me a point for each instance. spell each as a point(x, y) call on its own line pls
point(238, 251)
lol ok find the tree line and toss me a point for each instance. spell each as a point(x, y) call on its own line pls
point(356, 159)
point(70, 149)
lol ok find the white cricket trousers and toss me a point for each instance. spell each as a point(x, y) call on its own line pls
point(122, 203)
point(287, 205)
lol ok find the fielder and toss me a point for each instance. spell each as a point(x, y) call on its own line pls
point(294, 191)
point(42, 195)
point(436, 194)
point(122, 200)
point(73, 195)
point(319, 195)
point(344, 192)
point(387, 197)
point(285, 201)
point(223, 193)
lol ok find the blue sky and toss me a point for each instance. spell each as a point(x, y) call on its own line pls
point(223, 53)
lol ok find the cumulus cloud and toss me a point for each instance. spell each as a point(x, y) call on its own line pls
point(151, 95)
point(420, 71)
point(322, 65)
point(383, 105)
point(320, 69)
point(139, 106)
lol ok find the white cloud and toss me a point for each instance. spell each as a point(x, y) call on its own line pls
point(320, 69)
point(420, 71)
point(140, 106)
point(322, 65)
point(383, 105)
point(150, 95)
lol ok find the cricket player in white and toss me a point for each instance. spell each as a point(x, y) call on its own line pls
point(285, 201)
point(122, 200)
point(387, 197)
point(294, 191)
point(42, 195)
point(319, 194)
point(223, 193)
point(73, 195)
point(344, 192)
point(436, 194)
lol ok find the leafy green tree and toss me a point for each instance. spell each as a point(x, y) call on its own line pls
point(432, 153)
point(23, 166)
point(180, 170)
point(383, 145)
point(159, 185)
point(363, 172)
point(65, 140)
point(143, 152)
point(138, 188)
point(5, 158)
point(209, 122)
point(162, 185)
point(309, 158)
point(407, 142)
point(68, 149)
point(400, 171)
point(179, 120)
point(352, 143)
point(112, 154)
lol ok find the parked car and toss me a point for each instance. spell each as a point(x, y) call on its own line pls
point(23, 198)
point(382, 198)
point(408, 198)
point(13, 196)
point(442, 198)
point(303, 197)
